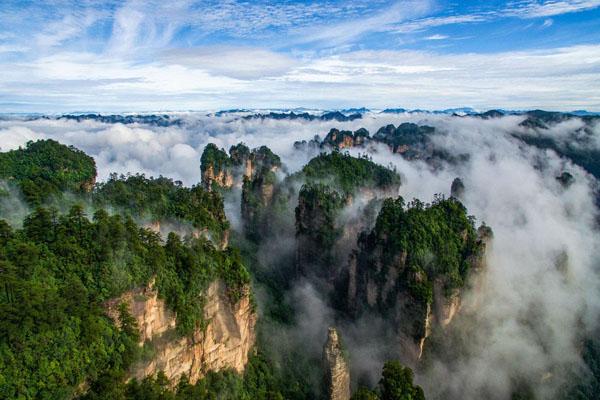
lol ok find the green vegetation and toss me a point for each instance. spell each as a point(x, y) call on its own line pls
point(582, 152)
point(317, 229)
point(438, 241)
point(396, 384)
point(264, 158)
point(55, 274)
point(586, 382)
point(163, 199)
point(257, 383)
point(261, 159)
point(331, 181)
point(406, 134)
point(47, 168)
point(318, 208)
point(214, 157)
point(256, 197)
point(349, 173)
point(239, 153)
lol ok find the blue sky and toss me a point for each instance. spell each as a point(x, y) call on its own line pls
point(61, 56)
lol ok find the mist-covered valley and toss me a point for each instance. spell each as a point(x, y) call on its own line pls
point(463, 245)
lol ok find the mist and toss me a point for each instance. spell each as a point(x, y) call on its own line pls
point(538, 296)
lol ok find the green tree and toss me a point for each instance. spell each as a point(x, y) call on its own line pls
point(397, 383)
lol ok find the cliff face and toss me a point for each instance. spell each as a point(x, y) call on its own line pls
point(257, 195)
point(224, 344)
point(392, 275)
point(317, 231)
point(337, 371)
point(410, 140)
point(227, 171)
point(88, 186)
point(222, 178)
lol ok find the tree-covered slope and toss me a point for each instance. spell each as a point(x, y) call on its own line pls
point(347, 173)
point(47, 168)
point(55, 274)
point(163, 199)
point(410, 267)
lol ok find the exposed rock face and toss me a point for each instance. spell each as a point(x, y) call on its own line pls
point(337, 371)
point(226, 171)
point(257, 195)
point(327, 225)
point(457, 189)
point(384, 278)
point(151, 313)
point(221, 178)
point(346, 139)
point(225, 343)
point(410, 140)
point(163, 228)
point(339, 139)
point(447, 305)
point(88, 186)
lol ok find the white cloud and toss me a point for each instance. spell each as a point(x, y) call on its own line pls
point(529, 316)
point(235, 62)
point(560, 78)
point(547, 23)
point(70, 26)
point(536, 9)
point(436, 37)
point(431, 22)
point(344, 32)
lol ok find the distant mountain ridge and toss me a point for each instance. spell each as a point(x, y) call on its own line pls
point(534, 117)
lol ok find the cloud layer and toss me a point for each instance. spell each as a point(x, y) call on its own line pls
point(112, 56)
point(538, 297)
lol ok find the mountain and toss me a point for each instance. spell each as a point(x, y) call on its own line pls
point(303, 273)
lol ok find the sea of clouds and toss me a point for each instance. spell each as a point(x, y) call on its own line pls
point(539, 296)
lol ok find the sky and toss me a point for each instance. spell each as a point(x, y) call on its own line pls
point(126, 56)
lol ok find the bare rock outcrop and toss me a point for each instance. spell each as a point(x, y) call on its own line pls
point(224, 343)
point(337, 371)
point(226, 171)
point(222, 178)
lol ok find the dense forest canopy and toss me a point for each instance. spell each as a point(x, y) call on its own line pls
point(163, 199)
point(46, 168)
point(349, 173)
point(59, 269)
point(441, 229)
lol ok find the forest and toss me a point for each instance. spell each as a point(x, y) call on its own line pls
point(84, 243)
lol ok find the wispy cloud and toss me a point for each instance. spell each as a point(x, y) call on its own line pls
point(522, 10)
point(431, 22)
point(561, 78)
point(548, 23)
point(70, 26)
point(234, 62)
point(535, 9)
point(384, 20)
point(208, 53)
point(436, 37)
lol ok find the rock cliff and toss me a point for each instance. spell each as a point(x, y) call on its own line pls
point(224, 343)
point(337, 371)
point(227, 171)
point(398, 274)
